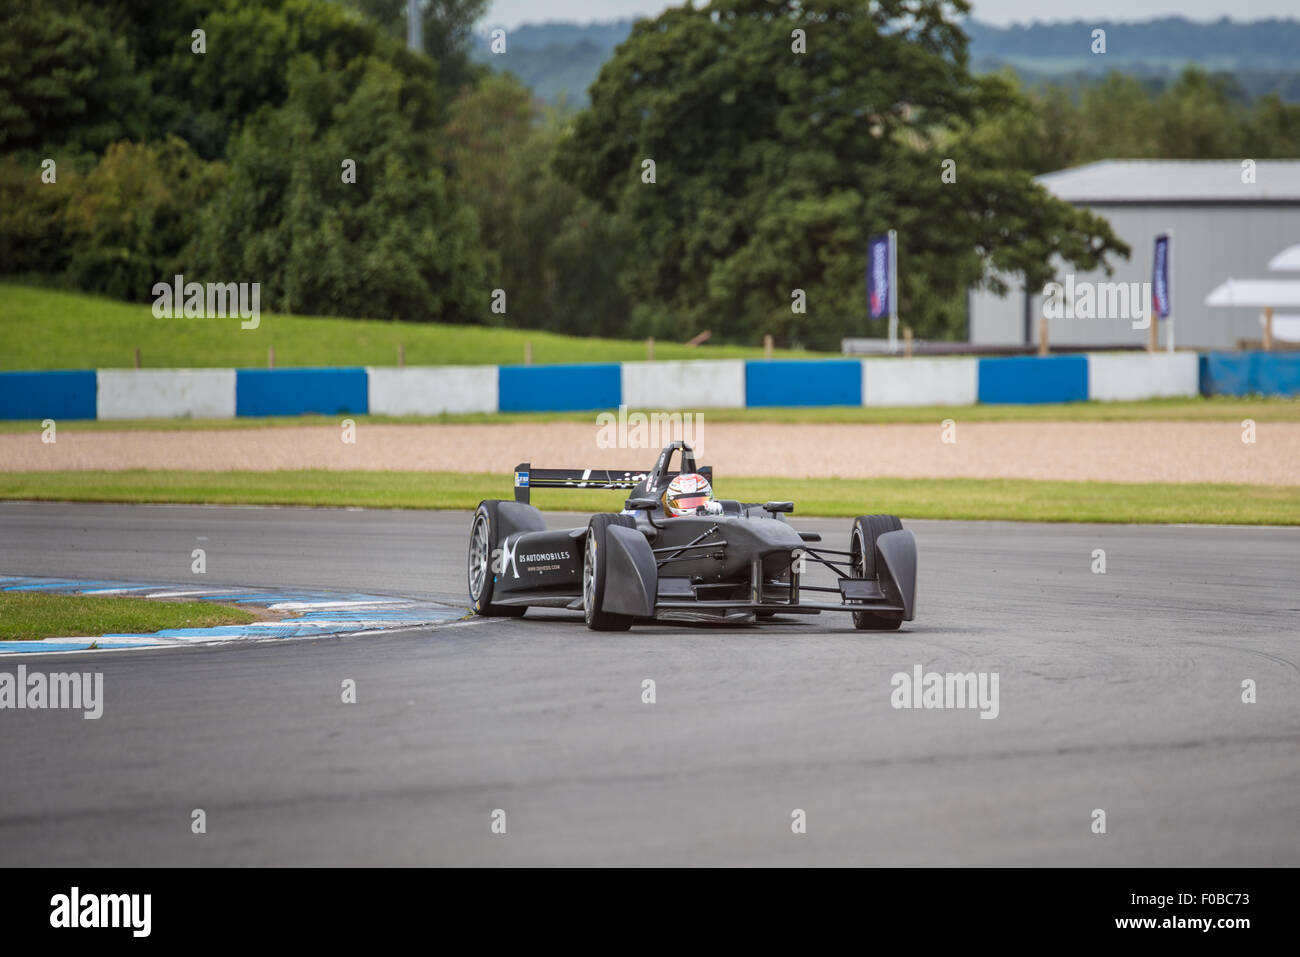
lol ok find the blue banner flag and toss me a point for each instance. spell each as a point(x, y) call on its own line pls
point(880, 290)
point(1160, 277)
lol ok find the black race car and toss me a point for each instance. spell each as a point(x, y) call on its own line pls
point(737, 564)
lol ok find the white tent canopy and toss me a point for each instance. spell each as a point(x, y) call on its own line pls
point(1288, 260)
point(1259, 293)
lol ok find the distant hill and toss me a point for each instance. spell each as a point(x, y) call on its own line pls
point(561, 60)
point(558, 61)
point(1261, 42)
point(1263, 56)
point(539, 36)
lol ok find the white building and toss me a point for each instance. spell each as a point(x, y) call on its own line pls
point(1220, 227)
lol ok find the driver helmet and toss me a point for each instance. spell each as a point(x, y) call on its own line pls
point(686, 493)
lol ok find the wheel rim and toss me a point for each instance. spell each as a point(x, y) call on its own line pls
point(589, 577)
point(478, 557)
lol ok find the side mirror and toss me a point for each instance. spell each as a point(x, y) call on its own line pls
point(775, 507)
point(637, 504)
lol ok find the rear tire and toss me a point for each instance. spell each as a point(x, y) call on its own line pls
point(862, 548)
point(595, 564)
point(483, 546)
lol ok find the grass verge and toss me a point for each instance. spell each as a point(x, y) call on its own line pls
point(50, 329)
point(1006, 499)
point(1217, 409)
point(33, 615)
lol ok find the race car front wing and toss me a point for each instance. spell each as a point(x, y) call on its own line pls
point(632, 576)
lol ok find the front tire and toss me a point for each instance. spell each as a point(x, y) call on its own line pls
point(481, 575)
point(595, 565)
point(862, 559)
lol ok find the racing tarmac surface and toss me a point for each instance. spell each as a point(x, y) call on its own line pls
point(1120, 692)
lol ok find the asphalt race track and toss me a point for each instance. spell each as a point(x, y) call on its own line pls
point(1120, 692)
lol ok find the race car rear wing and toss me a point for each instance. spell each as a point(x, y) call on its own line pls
point(528, 478)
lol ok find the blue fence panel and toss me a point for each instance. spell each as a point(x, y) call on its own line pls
point(803, 382)
point(1250, 373)
point(301, 391)
point(71, 394)
point(574, 388)
point(1025, 380)
point(48, 395)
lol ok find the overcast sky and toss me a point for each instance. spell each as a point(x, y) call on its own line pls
point(511, 13)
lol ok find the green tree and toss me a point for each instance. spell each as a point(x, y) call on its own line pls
point(66, 79)
point(1197, 118)
point(396, 243)
point(446, 28)
point(33, 224)
point(772, 167)
point(1117, 119)
point(561, 257)
point(549, 247)
point(80, 74)
point(1273, 129)
point(131, 217)
point(487, 126)
point(1013, 128)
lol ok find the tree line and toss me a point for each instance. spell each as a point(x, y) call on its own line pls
point(725, 176)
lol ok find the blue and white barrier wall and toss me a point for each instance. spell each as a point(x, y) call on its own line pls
point(432, 390)
point(1119, 376)
point(48, 395)
point(301, 391)
point(559, 388)
point(920, 381)
point(690, 384)
point(1250, 373)
point(184, 393)
point(684, 385)
point(797, 382)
